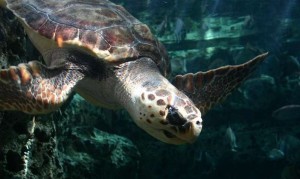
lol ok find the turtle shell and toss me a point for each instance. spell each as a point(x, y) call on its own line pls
point(106, 30)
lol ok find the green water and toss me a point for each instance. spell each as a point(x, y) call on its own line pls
point(253, 134)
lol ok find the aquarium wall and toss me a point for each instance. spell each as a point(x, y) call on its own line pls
point(254, 133)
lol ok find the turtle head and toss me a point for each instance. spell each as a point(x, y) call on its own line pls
point(168, 115)
point(156, 105)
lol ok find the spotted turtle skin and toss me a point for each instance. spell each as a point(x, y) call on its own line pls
point(109, 32)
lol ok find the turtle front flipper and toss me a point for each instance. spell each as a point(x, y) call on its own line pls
point(34, 88)
point(208, 88)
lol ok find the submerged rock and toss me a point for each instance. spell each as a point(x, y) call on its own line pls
point(275, 154)
point(289, 112)
point(91, 153)
point(259, 92)
point(28, 147)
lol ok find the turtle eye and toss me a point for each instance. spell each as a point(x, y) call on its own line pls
point(174, 117)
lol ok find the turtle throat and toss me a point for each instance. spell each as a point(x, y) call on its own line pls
point(155, 104)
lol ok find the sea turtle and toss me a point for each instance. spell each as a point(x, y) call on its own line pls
point(100, 51)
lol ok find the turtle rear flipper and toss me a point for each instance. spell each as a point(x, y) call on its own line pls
point(209, 88)
point(34, 88)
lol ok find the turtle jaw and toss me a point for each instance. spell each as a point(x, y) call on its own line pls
point(188, 133)
point(168, 115)
point(170, 137)
point(183, 133)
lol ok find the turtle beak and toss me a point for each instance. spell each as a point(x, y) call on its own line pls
point(183, 128)
point(188, 132)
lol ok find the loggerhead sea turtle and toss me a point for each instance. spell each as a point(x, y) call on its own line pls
point(111, 59)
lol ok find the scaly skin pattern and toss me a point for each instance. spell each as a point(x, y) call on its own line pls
point(34, 88)
point(211, 87)
point(155, 104)
point(99, 27)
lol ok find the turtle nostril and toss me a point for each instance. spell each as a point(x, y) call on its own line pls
point(174, 118)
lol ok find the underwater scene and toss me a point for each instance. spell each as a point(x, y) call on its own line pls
point(150, 89)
